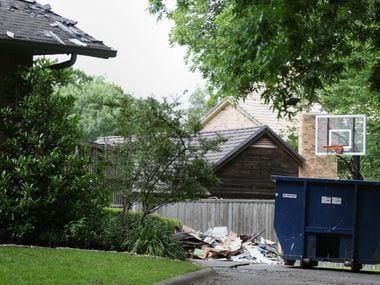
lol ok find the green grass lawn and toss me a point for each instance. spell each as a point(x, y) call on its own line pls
point(70, 266)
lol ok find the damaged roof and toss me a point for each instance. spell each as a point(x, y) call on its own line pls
point(34, 27)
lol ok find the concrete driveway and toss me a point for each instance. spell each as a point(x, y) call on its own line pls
point(234, 273)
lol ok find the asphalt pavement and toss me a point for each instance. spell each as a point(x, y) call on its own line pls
point(231, 273)
point(248, 274)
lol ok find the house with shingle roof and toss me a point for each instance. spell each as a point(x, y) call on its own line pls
point(247, 159)
point(27, 26)
point(244, 162)
point(245, 113)
point(263, 154)
point(253, 112)
point(27, 29)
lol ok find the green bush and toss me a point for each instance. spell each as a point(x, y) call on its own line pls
point(108, 232)
point(153, 237)
point(44, 181)
point(86, 232)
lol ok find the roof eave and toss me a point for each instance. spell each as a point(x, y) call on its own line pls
point(38, 48)
point(239, 149)
point(262, 131)
point(295, 155)
point(221, 106)
point(214, 111)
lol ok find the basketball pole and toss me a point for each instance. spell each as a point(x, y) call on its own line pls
point(356, 175)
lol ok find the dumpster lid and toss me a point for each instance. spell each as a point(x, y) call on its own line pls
point(321, 180)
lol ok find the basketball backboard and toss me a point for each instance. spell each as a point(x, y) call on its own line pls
point(340, 134)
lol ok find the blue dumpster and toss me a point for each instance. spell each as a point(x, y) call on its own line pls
point(328, 220)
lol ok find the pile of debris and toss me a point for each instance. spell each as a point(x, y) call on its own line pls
point(217, 243)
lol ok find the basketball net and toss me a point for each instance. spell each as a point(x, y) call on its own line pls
point(336, 148)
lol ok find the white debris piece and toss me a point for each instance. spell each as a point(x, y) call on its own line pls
point(78, 42)
point(51, 34)
point(10, 34)
point(217, 232)
point(255, 252)
point(243, 257)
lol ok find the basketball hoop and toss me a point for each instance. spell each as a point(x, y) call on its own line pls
point(336, 148)
point(334, 131)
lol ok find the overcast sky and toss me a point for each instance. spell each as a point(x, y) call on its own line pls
point(145, 63)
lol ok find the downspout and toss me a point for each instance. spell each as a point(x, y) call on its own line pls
point(65, 64)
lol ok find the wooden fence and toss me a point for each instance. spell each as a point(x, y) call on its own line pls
point(240, 216)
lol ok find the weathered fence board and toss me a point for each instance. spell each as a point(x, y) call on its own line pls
point(240, 216)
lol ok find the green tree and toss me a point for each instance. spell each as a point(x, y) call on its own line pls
point(291, 48)
point(95, 104)
point(200, 101)
point(162, 159)
point(43, 179)
point(354, 95)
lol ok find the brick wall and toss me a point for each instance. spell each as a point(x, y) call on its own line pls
point(228, 118)
point(314, 166)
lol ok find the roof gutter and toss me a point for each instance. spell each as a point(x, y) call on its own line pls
point(65, 64)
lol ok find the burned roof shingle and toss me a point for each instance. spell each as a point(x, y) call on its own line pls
point(28, 24)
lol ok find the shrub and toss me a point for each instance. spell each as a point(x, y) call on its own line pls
point(44, 180)
point(153, 237)
point(103, 230)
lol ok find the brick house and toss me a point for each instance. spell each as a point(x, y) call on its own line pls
point(250, 112)
point(253, 112)
point(246, 161)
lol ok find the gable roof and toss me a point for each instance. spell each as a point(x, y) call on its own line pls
point(237, 140)
point(34, 27)
point(253, 108)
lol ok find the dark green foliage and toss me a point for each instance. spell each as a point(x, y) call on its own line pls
point(300, 52)
point(153, 237)
point(43, 180)
point(354, 95)
point(162, 160)
point(107, 232)
point(101, 231)
point(291, 48)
